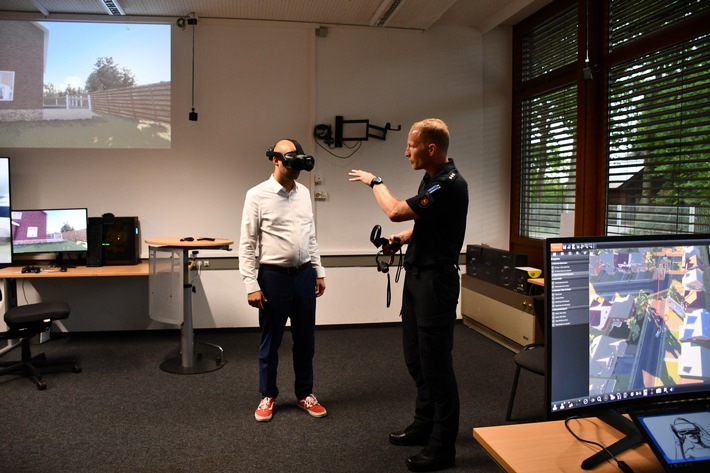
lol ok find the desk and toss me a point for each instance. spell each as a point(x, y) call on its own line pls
point(11, 274)
point(189, 362)
point(547, 447)
point(537, 281)
point(15, 272)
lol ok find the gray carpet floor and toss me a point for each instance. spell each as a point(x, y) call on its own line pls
point(122, 413)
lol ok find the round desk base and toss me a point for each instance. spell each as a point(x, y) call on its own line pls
point(199, 365)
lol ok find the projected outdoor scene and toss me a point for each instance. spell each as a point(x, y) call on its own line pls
point(649, 319)
point(84, 85)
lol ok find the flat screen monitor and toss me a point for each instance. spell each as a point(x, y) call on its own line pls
point(5, 226)
point(61, 232)
point(627, 322)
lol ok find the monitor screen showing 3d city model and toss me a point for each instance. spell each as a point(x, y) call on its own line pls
point(627, 322)
point(60, 231)
point(5, 233)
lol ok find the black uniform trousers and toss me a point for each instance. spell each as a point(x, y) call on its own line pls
point(428, 316)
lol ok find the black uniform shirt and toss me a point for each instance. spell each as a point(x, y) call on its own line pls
point(442, 205)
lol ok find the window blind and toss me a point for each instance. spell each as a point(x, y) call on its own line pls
point(659, 142)
point(630, 20)
point(548, 124)
point(549, 149)
point(550, 46)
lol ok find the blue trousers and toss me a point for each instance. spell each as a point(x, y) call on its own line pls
point(428, 314)
point(288, 296)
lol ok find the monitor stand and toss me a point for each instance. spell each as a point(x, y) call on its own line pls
point(624, 425)
point(62, 262)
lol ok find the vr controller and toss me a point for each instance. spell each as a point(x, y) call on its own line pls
point(296, 160)
point(387, 250)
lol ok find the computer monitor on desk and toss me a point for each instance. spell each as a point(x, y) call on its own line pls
point(58, 235)
point(628, 323)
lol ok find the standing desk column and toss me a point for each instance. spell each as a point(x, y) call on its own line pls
point(189, 362)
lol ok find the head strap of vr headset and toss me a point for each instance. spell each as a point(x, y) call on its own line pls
point(270, 153)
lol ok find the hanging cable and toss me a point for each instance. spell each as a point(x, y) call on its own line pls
point(192, 20)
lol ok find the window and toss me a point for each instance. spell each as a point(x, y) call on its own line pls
point(548, 142)
point(626, 147)
point(548, 125)
point(658, 178)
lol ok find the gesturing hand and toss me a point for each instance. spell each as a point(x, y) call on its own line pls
point(360, 175)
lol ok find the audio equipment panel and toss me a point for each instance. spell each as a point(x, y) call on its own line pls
point(493, 265)
point(474, 255)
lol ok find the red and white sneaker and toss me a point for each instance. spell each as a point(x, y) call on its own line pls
point(265, 411)
point(311, 405)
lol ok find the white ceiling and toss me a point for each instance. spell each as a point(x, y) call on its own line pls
point(483, 15)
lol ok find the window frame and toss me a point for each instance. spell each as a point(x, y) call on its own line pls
point(591, 179)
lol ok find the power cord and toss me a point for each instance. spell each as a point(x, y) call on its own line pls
point(319, 134)
point(623, 466)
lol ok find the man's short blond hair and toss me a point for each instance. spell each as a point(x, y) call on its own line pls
point(434, 130)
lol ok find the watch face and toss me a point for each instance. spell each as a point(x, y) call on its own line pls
point(375, 181)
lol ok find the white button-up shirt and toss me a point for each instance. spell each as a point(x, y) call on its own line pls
point(277, 228)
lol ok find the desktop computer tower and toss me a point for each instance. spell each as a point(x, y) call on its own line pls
point(113, 241)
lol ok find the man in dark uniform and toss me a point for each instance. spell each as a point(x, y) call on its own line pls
point(431, 289)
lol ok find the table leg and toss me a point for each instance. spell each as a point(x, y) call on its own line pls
point(190, 362)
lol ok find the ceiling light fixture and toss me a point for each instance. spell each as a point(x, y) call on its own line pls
point(112, 7)
point(384, 13)
point(40, 7)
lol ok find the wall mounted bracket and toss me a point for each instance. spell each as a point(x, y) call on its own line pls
point(359, 130)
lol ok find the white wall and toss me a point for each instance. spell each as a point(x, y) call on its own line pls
point(256, 83)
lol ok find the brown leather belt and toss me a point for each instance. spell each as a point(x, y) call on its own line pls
point(284, 269)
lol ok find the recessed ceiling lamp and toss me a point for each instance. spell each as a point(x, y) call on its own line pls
point(112, 7)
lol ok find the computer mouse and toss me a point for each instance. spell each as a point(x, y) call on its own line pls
point(63, 269)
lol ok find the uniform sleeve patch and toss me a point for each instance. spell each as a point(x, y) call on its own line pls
point(425, 200)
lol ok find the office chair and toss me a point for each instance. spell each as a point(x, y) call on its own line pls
point(26, 321)
point(531, 357)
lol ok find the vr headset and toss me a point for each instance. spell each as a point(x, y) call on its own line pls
point(385, 256)
point(296, 160)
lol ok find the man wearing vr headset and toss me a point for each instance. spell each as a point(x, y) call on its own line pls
point(277, 229)
point(431, 289)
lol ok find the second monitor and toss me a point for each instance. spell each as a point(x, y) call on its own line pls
point(61, 232)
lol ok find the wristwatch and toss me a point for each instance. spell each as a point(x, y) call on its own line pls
point(375, 181)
